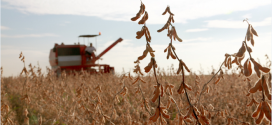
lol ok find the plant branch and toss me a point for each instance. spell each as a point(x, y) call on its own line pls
point(209, 82)
point(247, 48)
point(177, 107)
point(143, 98)
point(183, 83)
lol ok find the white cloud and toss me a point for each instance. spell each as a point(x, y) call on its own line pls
point(196, 30)
point(248, 16)
point(123, 10)
point(4, 28)
point(30, 35)
point(65, 23)
point(236, 24)
point(198, 39)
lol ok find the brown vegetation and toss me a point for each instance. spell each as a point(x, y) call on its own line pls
point(98, 99)
point(229, 96)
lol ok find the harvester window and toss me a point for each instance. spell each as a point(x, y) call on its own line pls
point(68, 51)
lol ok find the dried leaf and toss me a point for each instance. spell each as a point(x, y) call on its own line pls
point(143, 56)
point(147, 37)
point(203, 120)
point(156, 94)
point(256, 68)
point(165, 49)
point(247, 94)
point(183, 64)
point(163, 112)
point(225, 61)
point(140, 33)
point(217, 80)
point(149, 66)
point(248, 32)
point(249, 49)
point(252, 42)
point(135, 81)
point(137, 69)
point(155, 116)
point(164, 27)
point(152, 54)
point(145, 17)
point(137, 61)
point(267, 110)
point(264, 69)
point(181, 89)
point(135, 18)
point(169, 19)
point(170, 12)
point(21, 55)
point(149, 48)
point(260, 119)
point(260, 67)
point(188, 87)
point(253, 31)
point(266, 89)
point(173, 56)
point(256, 87)
point(141, 11)
point(176, 35)
point(165, 10)
point(168, 103)
point(251, 39)
point(172, 34)
point(180, 67)
point(162, 91)
point(147, 33)
point(173, 21)
point(229, 63)
point(241, 51)
point(257, 111)
point(246, 72)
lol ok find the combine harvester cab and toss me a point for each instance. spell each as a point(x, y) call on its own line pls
point(71, 58)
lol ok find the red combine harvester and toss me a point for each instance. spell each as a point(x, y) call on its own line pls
point(74, 58)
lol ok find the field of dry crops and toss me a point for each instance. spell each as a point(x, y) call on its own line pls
point(111, 99)
point(237, 93)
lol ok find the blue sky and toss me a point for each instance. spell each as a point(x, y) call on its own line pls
point(209, 29)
